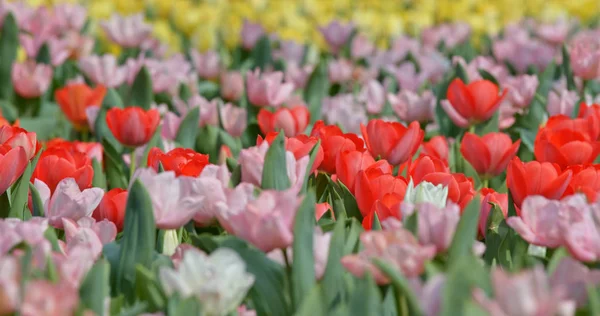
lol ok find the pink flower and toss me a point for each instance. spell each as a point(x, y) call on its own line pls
point(562, 102)
point(235, 202)
point(232, 85)
point(361, 46)
point(170, 125)
point(398, 248)
point(321, 243)
point(450, 34)
point(168, 74)
point(20, 10)
point(580, 230)
point(129, 31)
point(208, 64)
point(88, 233)
point(521, 90)
point(77, 45)
point(250, 34)
point(175, 200)
point(436, 225)
point(585, 59)
point(336, 34)
point(554, 33)
point(401, 47)
point(70, 17)
point(43, 297)
point(409, 106)
point(373, 94)
point(526, 293)
point(31, 80)
point(15, 231)
point(344, 111)
point(430, 294)
point(103, 70)
point(208, 110)
point(267, 89)
point(298, 75)
point(521, 50)
point(68, 201)
point(215, 180)
point(267, 221)
point(407, 76)
point(91, 113)
point(488, 64)
point(339, 70)
point(290, 51)
point(10, 288)
point(572, 277)
point(234, 119)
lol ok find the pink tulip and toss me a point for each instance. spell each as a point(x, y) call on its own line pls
point(450, 34)
point(554, 33)
point(580, 230)
point(127, 31)
point(339, 70)
point(401, 47)
point(373, 95)
point(70, 17)
point(215, 180)
point(20, 10)
point(409, 106)
point(562, 102)
point(267, 89)
point(572, 277)
point(436, 225)
point(407, 76)
point(10, 281)
point(398, 248)
point(168, 74)
point(31, 80)
point(521, 90)
point(234, 204)
point(585, 59)
point(298, 75)
point(321, 243)
point(527, 293)
point(521, 50)
point(336, 34)
point(267, 221)
point(74, 265)
point(234, 119)
point(430, 293)
point(103, 70)
point(232, 85)
point(15, 231)
point(68, 201)
point(250, 34)
point(88, 233)
point(486, 63)
point(78, 45)
point(290, 51)
point(91, 113)
point(44, 297)
point(361, 46)
point(344, 111)
point(170, 125)
point(208, 110)
point(208, 64)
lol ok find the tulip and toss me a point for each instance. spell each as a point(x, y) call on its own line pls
point(450, 34)
point(489, 155)
point(407, 76)
point(585, 180)
point(92, 150)
point(300, 145)
point(232, 86)
point(292, 121)
point(373, 95)
point(376, 190)
point(585, 59)
point(88, 233)
point(487, 63)
point(361, 46)
point(436, 147)
point(488, 197)
point(460, 188)
point(182, 161)
point(103, 70)
point(14, 136)
point(562, 102)
point(521, 50)
point(409, 106)
point(521, 90)
point(579, 228)
point(298, 75)
point(132, 126)
point(58, 163)
point(290, 51)
point(13, 162)
point(430, 294)
point(74, 99)
point(67, 201)
point(216, 180)
point(250, 34)
point(268, 89)
point(221, 291)
point(339, 70)
point(345, 111)
point(31, 80)
point(112, 207)
point(44, 297)
point(208, 110)
point(525, 293)
point(574, 277)
point(436, 223)
point(236, 200)
point(321, 209)
point(426, 192)
point(473, 103)
point(336, 34)
point(334, 142)
point(565, 146)
point(234, 119)
point(536, 178)
point(170, 125)
point(392, 141)
point(70, 17)
point(129, 31)
point(208, 64)
point(349, 163)
point(426, 165)
point(398, 248)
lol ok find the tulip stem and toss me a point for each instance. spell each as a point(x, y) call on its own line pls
point(132, 165)
point(485, 183)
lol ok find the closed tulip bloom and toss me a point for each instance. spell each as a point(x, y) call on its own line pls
point(232, 86)
point(103, 70)
point(132, 126)
point(251, 34)
point(292, 121)
point(87, 232)
point(437, 147)
point(92, 150)
point(349, 163)
point(214, 185)
point(398, 248)
point(436, 224)
point(391, 140)
point(426, 165)
point(561, 102)
point(586, 180)
point(580, 229)
point(208, 64)
point(209, 114)
point(74, 99)
point(58, 163)
point(127, 31)
point(339, 70)
point(361, 46)
point(112, 207)
point(182, 161)
point(376, 190)
point(70, 17)
point(585, 59)
point(489, 155)
point(565, 146)
point(267, 89)
point(14, 136)
point(409, 106)
point(31, 80)
point(460, 188)
point(334, 141)
point(67, 201)
point(426, 192)
point(336, 34)
point(13, 162)
point(473, 103)
point(300, 145)
point(488, 196)
point(373, 95)
point(521, 90)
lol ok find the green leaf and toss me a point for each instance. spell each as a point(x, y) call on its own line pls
point(495, 233)
point(312, 155)
point(465, 274)
point(274, 174)
point(366, 298)
point(303, 268)
point(314, 304)
point(36, 201)
point(566, 69)
point(103, 133)
point(9, 43)
point(461, 73)
point(137, 243)
point(50, 235)
point(488, 76)
point(352, 243)
point(43, 126)
point(376, 223)
point(349, 202)
point(491, 126)
point(8, 110)
point(412, 223)
point(401, 285)
point(207, 142)
point(188, 129)
point(95, 287)
point(466, 232)
point(183, 307)
point(316, 89)
point(148, 289)
point(333, 277)
point(593, 300)
point(557, 256)
point(115, 172)
point(99, 180)
point(141, 90)
point(112, 99)
point(5, 204)
point(21, 192)
point(261, 54)
point(43, 56)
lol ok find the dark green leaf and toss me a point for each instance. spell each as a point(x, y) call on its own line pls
point(43, 56)
point(112, 99)
point(99, 180)
point(349, 202)
point(466, 232)
point(316, 89)
point(401, 285)
point(36, 201)
point(312, 155)
point(303, 269)
point(314, 304)
point(141, 91)
point(261, 54)
point(95, 287)
point(333, 277)
point(274, 174)
point(148, 289)
point(566, 69)
point(488, 76)
point(188, 129)
point(465, 274)
point(115, 171)
point(9, 43)
point(365, 299)
point(4, 204)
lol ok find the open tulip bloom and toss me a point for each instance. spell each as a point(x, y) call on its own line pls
point(299, 158)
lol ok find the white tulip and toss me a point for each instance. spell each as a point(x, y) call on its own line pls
point(426, 192)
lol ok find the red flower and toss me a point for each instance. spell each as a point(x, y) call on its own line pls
point(437, 147)
point(380, 192)
point(586, 180)
point(460, 188)
point(183, 161)
point(92, 149)
point(349, 163)
point(13, 162)
point(17, 137)
point(334, 141)
point(299, 145)
point(425, 165)
point(592, 114)
point(391, 140)
point(292, 121)
point(112, 207)
point(73, 100)
point(132, 126)
point(321, 209)
point(473, 103)
point(58, 163)
point(489, 155)
point(536, 178)
point(488, 196)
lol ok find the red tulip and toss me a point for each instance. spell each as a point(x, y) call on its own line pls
point(334, 141)
point(299, 145)
point(425, 165)
point(586, 180)
point(58, 163)
point(488, 196)
point(183, 161)
point(592, 114)
point(112, 207)
point(292, 121)
point(590, 124)
point(13, 162)
point(437, 147)
point(473, 103)
point(321, 209)
point(132, 126)
point(377, 191)
point(536, 178)
point(92, 149)
point(489, 155)
point(17, 137)
point(391, 140)
point(460, 188)
point(349, 163)
point(73, 99)
point(386, 207)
